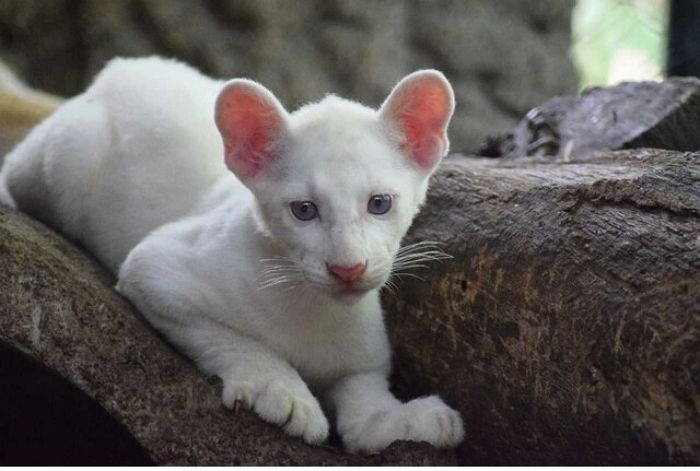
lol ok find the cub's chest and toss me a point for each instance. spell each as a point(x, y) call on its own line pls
point(327, 350)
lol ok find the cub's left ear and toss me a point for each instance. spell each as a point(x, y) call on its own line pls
point(418, 110)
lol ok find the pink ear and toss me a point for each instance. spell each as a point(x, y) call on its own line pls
point(419, 108)
point(251, 122)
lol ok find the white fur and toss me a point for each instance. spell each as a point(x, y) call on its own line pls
point(133, 169)
point(5, 197)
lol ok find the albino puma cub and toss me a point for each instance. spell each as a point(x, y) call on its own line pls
point(269, 279)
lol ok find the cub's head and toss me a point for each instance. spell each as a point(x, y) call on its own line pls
point(337, 184)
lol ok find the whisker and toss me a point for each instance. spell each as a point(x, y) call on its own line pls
point(415, 256)
point(421, 243)
point(410, 264)
point(276, 259)
point(280, 270)
point(424, 245)
point(274, 281)
point(432, 255)
point(399, 275)
point(390, 286)
point(290, 287)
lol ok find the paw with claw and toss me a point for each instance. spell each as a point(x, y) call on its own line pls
point(295, 409)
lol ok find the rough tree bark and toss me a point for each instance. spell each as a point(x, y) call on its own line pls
point(567, 327)
point(58, 305)
point(630, 115)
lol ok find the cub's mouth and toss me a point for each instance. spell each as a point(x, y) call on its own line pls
point(351, 291)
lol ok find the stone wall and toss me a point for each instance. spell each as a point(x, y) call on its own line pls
point(502, 57)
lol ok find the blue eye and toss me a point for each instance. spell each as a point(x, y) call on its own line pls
point(303, 210)
point(379, 204)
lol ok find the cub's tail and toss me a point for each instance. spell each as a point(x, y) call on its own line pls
point(5, 197)
point(21, 108)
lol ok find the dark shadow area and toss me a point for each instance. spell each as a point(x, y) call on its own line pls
point(684, 39)
point(44, 420)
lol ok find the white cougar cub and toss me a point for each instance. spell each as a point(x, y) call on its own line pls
point(269, 279)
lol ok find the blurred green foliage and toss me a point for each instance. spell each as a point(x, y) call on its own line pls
point(615, 40)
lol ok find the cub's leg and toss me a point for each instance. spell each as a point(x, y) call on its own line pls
point(178, 304)
point(370, 418)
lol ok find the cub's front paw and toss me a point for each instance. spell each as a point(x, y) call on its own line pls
point(431, 420)
point(293, 408)
point(426, 419)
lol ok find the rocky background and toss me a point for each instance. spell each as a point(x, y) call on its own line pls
point(502, 58)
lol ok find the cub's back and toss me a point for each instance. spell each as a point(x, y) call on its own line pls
point(138, 149)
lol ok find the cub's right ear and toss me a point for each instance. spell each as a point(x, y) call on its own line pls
point(419, 110)
point(252, 123)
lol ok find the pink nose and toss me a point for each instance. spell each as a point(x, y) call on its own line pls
point(347, 274)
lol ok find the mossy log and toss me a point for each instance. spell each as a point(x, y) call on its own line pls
point(566, 328)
